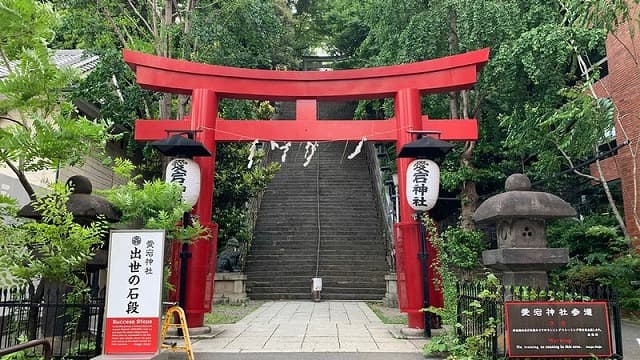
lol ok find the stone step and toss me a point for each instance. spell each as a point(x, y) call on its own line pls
point(310, 239)
point(324, 296)
point(277, 254)
point(309, 267)
point(304, 280)
point(336, 257)
point(326, 288)
point(309, 244)
point(336, 192)
point(338, 277)
point(278, 287)
point(282, 208)
point(272, 272)
point(326, 226)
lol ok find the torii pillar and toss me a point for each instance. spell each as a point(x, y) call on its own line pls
point(207, 84)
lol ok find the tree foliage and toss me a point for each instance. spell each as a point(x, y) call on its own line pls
point(244, 33)
point(599, 255)
point(40, 126)
point(152, 204)
point(534, 114)
point(55, 249)
point(529, 98)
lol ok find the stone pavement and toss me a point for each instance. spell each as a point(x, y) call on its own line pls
point(308, 327)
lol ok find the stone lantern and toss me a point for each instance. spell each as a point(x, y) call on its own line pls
point(520, 215)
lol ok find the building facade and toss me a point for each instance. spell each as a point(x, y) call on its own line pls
point(101, 176)
point(622, 86)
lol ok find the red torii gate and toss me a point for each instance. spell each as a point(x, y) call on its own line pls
point(207, 84)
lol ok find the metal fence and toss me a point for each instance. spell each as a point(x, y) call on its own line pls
point(72, 323)
point(476, 312)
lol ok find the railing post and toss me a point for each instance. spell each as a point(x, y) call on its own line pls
point(100, 325)
point(617, 324)
point(494, 338)
point(459, 298)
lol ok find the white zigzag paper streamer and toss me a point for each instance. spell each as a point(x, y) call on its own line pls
point(285, 149)
point(309, 150)
point(357, 149)
point(252, 153)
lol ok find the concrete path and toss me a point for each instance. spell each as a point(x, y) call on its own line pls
point(307, 356)
point(308, 327)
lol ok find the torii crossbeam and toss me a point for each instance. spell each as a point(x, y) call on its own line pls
point(207, 84)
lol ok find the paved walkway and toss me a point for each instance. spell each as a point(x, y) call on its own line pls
point(308, 327)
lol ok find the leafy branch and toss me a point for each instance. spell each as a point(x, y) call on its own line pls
point(54, 249)
point(152, 205)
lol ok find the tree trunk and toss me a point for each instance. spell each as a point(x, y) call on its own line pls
point(26, 185)
point(468, 192)
point(162, 43)
point(612, 203)
point(453, 45)
point(183, 101)
point(186, 18)
point(165, 107)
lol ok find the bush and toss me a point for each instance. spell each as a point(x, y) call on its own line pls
point(463, 247)
point(600, 255)
point(592, 240)
point(621, 274)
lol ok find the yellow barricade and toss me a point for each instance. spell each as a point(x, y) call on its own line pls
point(173, 312)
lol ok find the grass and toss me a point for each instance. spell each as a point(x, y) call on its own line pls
point(630, 315)
point(388, 315)
point(230, 313)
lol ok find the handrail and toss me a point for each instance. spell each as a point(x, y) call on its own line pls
point(385, 207)
point(46, 348)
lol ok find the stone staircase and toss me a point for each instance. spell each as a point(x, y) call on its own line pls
point(331, 201)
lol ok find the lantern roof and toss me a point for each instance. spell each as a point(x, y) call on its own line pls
point(425, 148)
point(518, 201)
point(178, 145)
point(84, 206)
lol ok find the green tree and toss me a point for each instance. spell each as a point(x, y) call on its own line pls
point(40, 127)
point(613, 18)
point(529, 87)
point(425, 30)
point(54, 250)
point(337, 26)
point(152, 204)
point(243, 33)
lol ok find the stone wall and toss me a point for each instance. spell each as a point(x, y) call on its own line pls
point(230, 287)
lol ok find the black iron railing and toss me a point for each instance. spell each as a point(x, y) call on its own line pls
point(71, 322)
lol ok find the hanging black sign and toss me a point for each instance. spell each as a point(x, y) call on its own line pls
point(557, 329)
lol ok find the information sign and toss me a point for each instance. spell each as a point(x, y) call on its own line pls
point(557, 329)
point(134, 292)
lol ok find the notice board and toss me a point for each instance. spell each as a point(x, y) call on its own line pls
point(134, 292)
point(557, 329)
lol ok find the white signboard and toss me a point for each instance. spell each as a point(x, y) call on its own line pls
point(134, 292)
point(423, 184)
